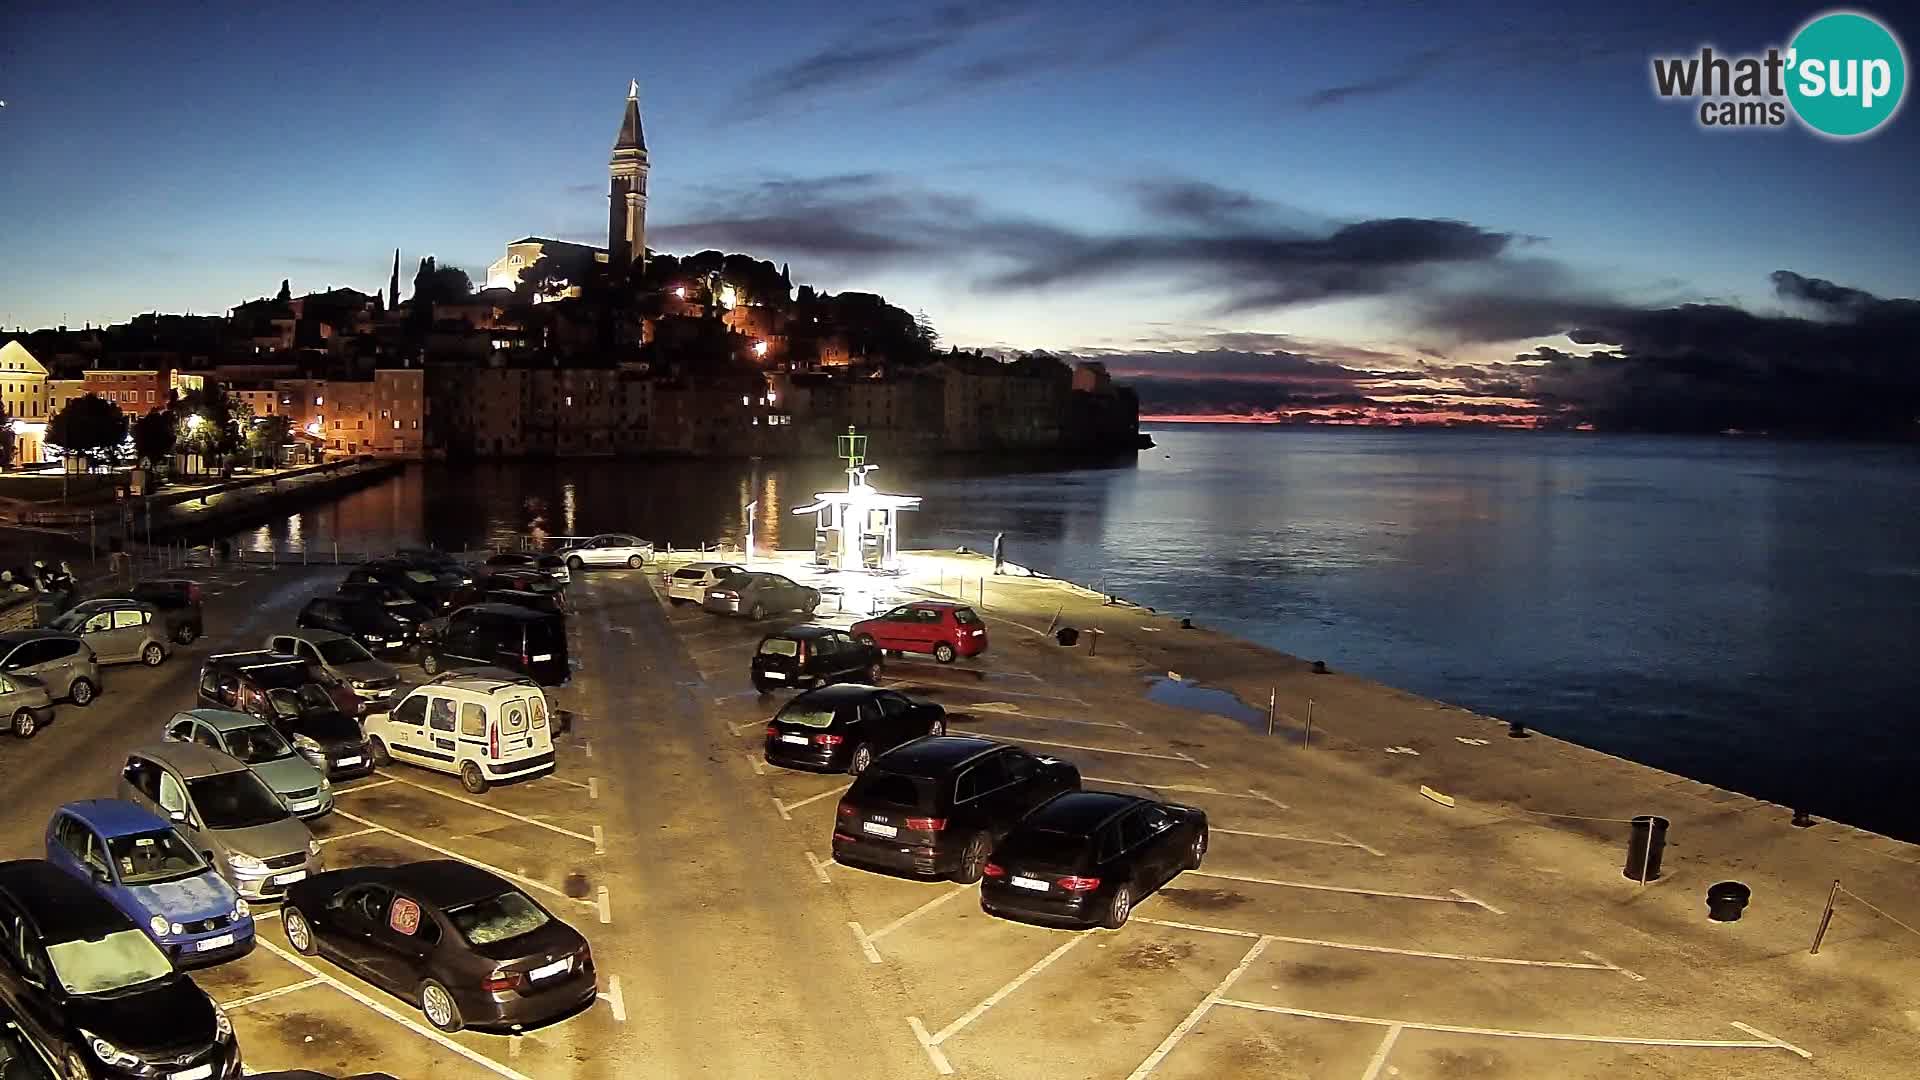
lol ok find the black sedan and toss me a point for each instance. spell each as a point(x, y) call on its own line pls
point(329, 739)
point(843, 728)
point(465, 946)
point(94, 992)
point(1087, 857)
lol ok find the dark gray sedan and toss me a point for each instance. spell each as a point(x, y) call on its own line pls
point(757, 594)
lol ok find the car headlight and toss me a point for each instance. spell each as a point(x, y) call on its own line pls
point(159, 925)
point(360, 684)
point(240, 861)
point(241, 910)
point(222, 1027)
point(110, 1055)
point(313, 848)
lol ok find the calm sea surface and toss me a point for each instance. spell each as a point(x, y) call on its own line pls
point(1739, 610)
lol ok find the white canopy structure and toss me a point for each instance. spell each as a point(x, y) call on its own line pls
point(859, 528)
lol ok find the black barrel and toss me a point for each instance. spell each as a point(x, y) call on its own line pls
point(1727, 900)
point(1067, 636)
point(1644, 847)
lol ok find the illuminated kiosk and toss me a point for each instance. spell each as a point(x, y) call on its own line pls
point(859, 528)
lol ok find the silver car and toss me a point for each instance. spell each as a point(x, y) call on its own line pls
point(62, 662)
point(757, 594)
point(24, 704)
point(225, 811)
point(259, 746)
point(609, 549)
point(119, 631)
point(343, 658)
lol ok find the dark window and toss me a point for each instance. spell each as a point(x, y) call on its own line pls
point(965, 616)
point(412, 712)
point(891, 789)
point(144, 775)
point(1020, 766)
point(1134, 830)
point(893, 706)
point(1107, 844)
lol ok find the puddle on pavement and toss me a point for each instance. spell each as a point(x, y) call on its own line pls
point(1208, 699)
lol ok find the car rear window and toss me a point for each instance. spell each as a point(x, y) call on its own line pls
point(513, 719)
point(502, 918)
point(689, 575)
point(1049, 845)
point(965, 616)
point(807, 714)
point(779, 646)
point(546, 635)
point(892, 789)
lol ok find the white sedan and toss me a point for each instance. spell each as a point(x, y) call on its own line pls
point(609, 549)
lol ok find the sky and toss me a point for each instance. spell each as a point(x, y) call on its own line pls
point(1378, 212)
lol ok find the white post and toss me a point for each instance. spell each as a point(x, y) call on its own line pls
point(747, 559)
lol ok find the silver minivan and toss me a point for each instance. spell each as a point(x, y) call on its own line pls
point(226, 812)
point(62, 662)
point(119, 631)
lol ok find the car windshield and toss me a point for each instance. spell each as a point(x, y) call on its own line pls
point(151, 858)
point(806, 715)
point(779, 646)
point(234, 800)
point(508, 915)
point(343, 651)
point(257, 745)
point(119, 960)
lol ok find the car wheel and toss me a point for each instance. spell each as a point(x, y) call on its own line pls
point(635, 562)
point(862, 759)
point(81, 692)
point(1118, 909)
point(437, 1002)
point(430, 663)
point(576, 564)
point(24, 725)
point(377, 750)
point(759, 612)
point(895, 653)
point(153, 654)
point(472, 778)
point(299, 932)
point(873, 673)
point(76, 1067)
point(937, 728)
point(944, 653)
point(185, 634)
point(1198, 851)
point(973, 861)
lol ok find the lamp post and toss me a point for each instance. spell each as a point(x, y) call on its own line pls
point(747, 560)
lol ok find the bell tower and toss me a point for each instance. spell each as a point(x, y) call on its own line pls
point(627, 192)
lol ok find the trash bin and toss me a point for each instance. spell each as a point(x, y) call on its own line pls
point(1644, 847)
point(1067, 636)
point(1727, 900)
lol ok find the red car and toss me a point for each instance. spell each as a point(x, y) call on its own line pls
point(940, 627)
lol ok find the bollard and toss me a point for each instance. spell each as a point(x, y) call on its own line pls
point(1726, 900)
point(1826, 917)
point(1051, 623)
point(1272, 693)
point(1319, 667)
point(1306, 740)
point(1518, 730)
point(1645, 843)
point(1802, 819)
point(336, 553)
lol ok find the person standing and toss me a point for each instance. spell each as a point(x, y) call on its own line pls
point(999, 552)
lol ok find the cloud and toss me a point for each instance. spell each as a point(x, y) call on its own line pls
point(1409, 71)
point(1501, 51)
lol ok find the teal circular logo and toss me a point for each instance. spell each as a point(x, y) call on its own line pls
point(1846, 74)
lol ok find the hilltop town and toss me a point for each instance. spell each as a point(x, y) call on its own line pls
point(573, 350)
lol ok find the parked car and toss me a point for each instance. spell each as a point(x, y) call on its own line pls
point(243, 680)
point(25, 704)
point(149, 871)
point(62, 662)
point(608, 549)
point(178, 601)
point(941, 627)
point(94, 992)
point(758, 594)
point(464, 945)
point(20, 1057)
point(438, 561)
point(1086, 858)
point(551, 565)
point(524, 580)
point(377, 625)
point(483, 730)
point(546, 603)
point(937, 806)
point(502, 635)
point(843, 728)
point(226, 812)
point(343, 658)
point(689, 584)
point(803, 656)
point(118, 631)
point(439, 592)
point(296, 782)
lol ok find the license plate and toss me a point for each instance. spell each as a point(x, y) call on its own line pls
point(354, 760)
point(773, 675)
point(303, 807)
point(200, 1072)
point(541, 658)
point(799, 739)
point(979, 633)
point(288, 879)
point(1035, 884)
point(878, 829)
point(554, 968)
point(213, 943)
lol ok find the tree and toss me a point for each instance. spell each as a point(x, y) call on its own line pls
point(266, 438)
point(91, 427)
point(546, 279)
point(6, 439)
point(213, 423)
point(154, 435)
point(923, 326)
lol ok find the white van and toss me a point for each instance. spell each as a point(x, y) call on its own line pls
point(479, 727)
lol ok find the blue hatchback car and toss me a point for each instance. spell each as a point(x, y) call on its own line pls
point(148, 870)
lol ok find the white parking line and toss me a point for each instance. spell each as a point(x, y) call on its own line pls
point(819, 868)
point(387, 1011)
point(1175, 756)
point(1380, 1054)
point(919, 911)
point(983, 689)
point(477, 804)
point(593, 787)
point(759, 766)
point(744, 726)
point(1354, 946)
point(1775, 1040)
point(361, 787)
point(785, 808)
point(587, 787)
point(1000, 995)
point(1458, 899)
point(1180, 1032)
point(508, 874)
point(241, 1003)
point(1344, 841)
point(345, 835)
point(601, 906)
point(1188, 789)
point(866, 943)
point(599, 840)
point(1766, 1042)
point(1005, 708)
point(615, 999)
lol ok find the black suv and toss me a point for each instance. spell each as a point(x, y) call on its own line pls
point(178, 601)
point(813, 656)
point(937, 806)
point(502, 635)
point(377, 626)
point(94, 991)
point(440, 591)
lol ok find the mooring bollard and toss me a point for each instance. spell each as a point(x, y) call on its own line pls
point(1306, 740)
point(1272, 695)
point(1826, 918)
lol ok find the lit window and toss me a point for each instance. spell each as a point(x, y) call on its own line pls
point(396, 425)
point(743, 399)
point(569, 399)
point(319, 401)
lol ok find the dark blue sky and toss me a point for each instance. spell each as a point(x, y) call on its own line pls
point(187, 161)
